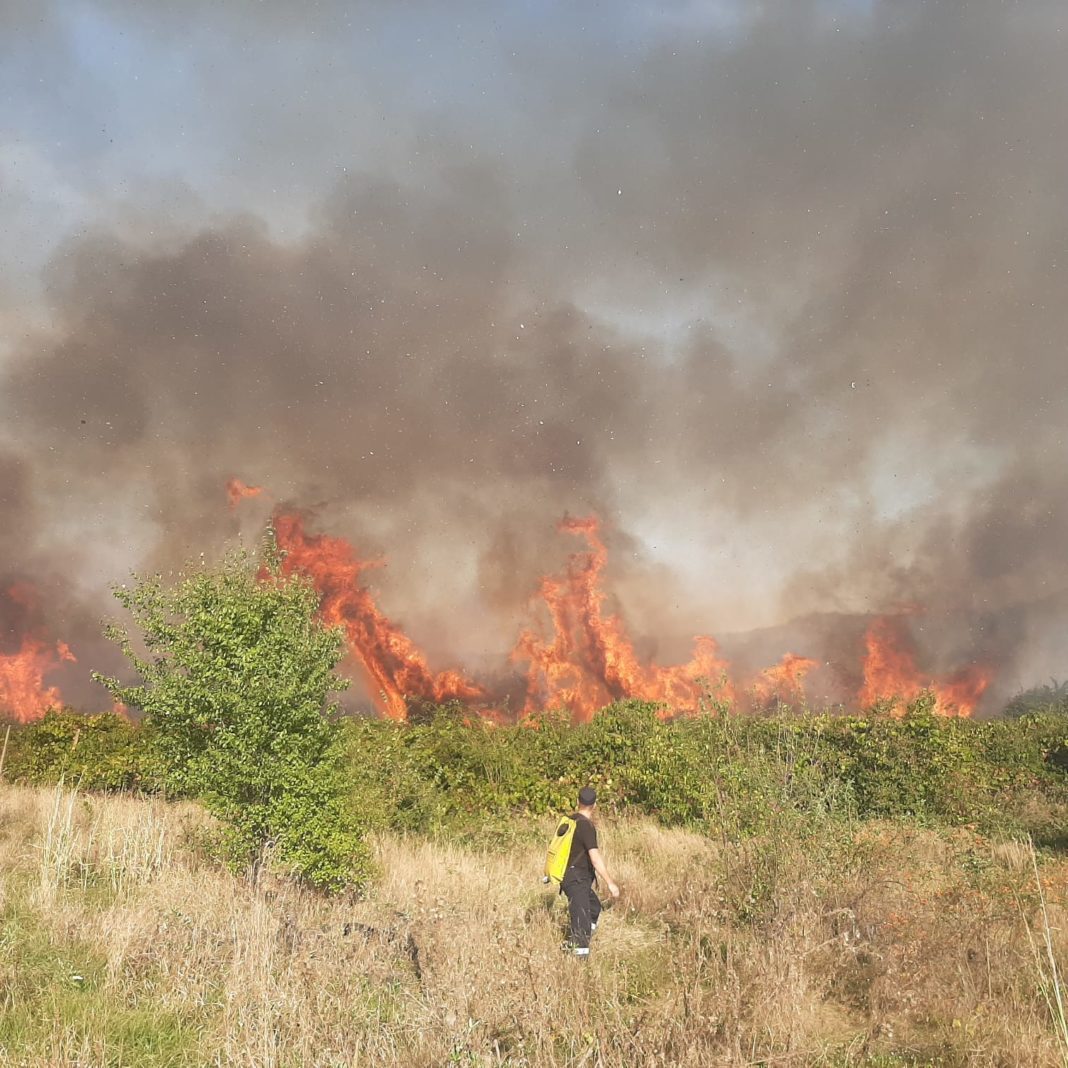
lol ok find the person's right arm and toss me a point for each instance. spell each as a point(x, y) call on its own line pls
point(598, 866)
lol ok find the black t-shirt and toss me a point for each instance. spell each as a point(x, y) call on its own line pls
point(579, 864)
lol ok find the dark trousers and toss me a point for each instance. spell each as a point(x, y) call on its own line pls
point(583, 907)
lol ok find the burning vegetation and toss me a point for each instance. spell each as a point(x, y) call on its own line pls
point(394, 669)
point(575, 655)
point(891, 674)
point(582, 660)
point(23, 692)
point(572, 654)
point(26, 658)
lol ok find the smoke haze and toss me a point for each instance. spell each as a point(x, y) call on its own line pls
point(775, 289)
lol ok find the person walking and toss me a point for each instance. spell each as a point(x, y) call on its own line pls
point(584, 864)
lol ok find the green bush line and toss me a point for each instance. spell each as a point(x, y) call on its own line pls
point(104, 752)
point(452, 773)
point(735, 774)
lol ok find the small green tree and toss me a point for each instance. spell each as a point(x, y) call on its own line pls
point(236, 685)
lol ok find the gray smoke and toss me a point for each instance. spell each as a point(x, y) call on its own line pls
point(786, 288)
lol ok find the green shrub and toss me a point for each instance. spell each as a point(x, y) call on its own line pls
point(100, 752)
point(725, 774)
point(235, 691)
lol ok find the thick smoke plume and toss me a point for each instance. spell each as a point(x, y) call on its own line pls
point(776, 291)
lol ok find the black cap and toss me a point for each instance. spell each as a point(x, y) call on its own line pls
point(587, 796)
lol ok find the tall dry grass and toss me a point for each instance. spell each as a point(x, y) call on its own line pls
point(884, 945)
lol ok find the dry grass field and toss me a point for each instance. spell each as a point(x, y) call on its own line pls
point(122, 943)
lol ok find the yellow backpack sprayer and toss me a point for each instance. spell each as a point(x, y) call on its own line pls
point(556, 857)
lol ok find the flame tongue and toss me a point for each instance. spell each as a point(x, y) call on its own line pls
point(237, 491)
point(23, 693)
point(590, 660)
point(783, 682)
point(22, 689)
point(890, 672)
point(395, 668)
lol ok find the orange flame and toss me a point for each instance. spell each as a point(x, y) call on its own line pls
point(237, 491)
point(394, 667)
point(590, 660)
point(585, 661)
point(783, 682)
point(23, 693)
point(891, 674)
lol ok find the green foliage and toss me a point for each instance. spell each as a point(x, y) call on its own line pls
point(932, 768)
point(234, 688)
point(102, 752)
point(733, 776)
point(452, 773)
